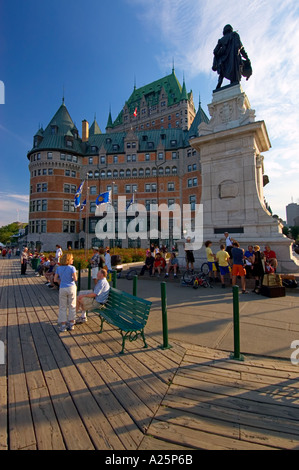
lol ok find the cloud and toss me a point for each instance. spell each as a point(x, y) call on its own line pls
point(189, 31)
point(14, 208)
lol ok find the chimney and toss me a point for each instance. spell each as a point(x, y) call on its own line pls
point(85, 131)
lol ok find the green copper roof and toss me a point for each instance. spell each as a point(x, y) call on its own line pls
point(94, 128)
point(199, 118)
point(174, 94)
point(60, 129)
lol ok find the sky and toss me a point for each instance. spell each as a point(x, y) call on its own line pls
point(93, 51)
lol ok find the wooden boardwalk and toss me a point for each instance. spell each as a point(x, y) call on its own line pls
point(74, 391)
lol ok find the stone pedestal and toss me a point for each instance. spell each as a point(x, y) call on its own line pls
point(231, 147)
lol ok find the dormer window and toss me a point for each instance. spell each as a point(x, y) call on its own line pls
point(54, 130)
point(69, 143)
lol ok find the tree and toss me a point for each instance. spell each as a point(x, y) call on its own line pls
point(7, 231)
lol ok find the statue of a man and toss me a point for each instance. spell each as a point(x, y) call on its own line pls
point(227, 58)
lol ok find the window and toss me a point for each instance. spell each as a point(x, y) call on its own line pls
point(134, 157)
point(134, 172)
point(170, 186)
point(50, 171)
point(154, 171)
point(147, 157)
point(93, 148)
point(74, 174)
point(50, 156)
point(194, 181)
point(128, 188)
point(147, 188)
point(190, 183)
point(66, 205)
point(43, 227)
point(189, 168)
point(44, 205)
point(141, 172)
point(97, 174)
point(194, 167)
point(38, 156)
point(62, 156)
point(115, 174)
point(75, 159)
point(38, 188)
point(121, 173)
point(128, 158)
point(147, 172)
point(134, 188)
point(147, 204)
point(67, 172)
point(115, 159)
point(92, 207)
point(161, 171)
point(174, 170)
point(69, 158)
point(128, 173)
point(90, 160)
point(44, 171)
point(103, 174)
point(154, 187)
point(170, 202)
point(103, 159)
point(69, 143)
point(73, 188)
point(90, 174)
point(160, 156)
point(128, 145)
point(93, 190)
point(174, 155)
point(167, 170)
point(109, 173)
point(192, 201)
point(38, 205)
point(66, 188)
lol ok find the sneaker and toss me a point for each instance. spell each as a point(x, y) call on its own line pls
point(245, 292)
point(166, 275)
point(62, 328)
point(81, 320)
point(70, 326)
point(175, 276)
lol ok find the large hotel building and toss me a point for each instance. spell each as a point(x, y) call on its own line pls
point(144, 152)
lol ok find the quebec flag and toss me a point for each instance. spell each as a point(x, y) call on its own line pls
point(103, 198)
point(78, 195)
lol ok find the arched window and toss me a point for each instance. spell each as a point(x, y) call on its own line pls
point(167, 170)
point(109, 173)
point(174, 170)
point(103, 174)
point(115, 174)
point(154, 171)
point(161, 171)
point(121, 173)
point(147, 172)
point(141, 172)
point(128, 173)
point(96, 174)
point(90, 174)
point(134, 172)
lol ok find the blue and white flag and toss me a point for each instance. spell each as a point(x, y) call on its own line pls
point(78, 195)
point(103, 198)
point(83, 205)
point(131, 202)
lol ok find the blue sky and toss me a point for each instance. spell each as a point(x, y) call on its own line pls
point(95, 49)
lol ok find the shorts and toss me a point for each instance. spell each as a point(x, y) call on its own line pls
point(224, 270)
point(212, 266)
point(94, 272)
point(89, 303)
point(190, 256)
point(238, 270)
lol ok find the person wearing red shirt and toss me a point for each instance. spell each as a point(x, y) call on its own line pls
point(270, 257)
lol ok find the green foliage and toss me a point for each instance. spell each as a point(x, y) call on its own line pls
point(7, 231)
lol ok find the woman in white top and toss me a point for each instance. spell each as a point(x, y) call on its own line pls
point(59, 253)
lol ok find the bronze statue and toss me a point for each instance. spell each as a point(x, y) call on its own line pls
point(227, 58)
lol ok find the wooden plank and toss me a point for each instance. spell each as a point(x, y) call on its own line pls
point(150, 443)
point(196, 439)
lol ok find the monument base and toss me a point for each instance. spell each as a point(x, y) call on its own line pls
point(230, 147)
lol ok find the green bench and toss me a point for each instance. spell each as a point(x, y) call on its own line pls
point(127, 313)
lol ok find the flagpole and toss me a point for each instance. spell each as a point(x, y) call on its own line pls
point(86, 219)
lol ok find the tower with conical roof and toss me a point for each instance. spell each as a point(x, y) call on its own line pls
point(55, 173)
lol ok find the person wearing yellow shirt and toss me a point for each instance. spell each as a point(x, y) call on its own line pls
point(211, 259)
point(223, 257)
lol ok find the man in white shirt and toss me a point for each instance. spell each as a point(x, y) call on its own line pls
point(89, 300)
